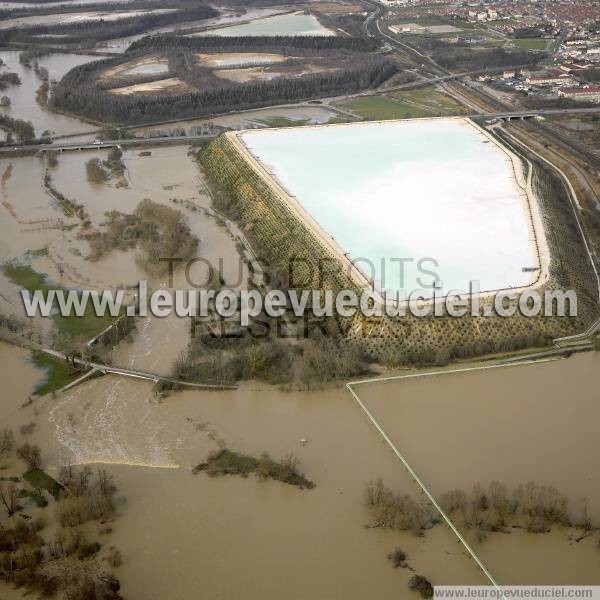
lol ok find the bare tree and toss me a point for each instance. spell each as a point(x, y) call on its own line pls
point(7, 441)
point(8, 496)
point(31, 454)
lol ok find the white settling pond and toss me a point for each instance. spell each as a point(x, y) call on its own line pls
point(409, 190)
point(288, 24)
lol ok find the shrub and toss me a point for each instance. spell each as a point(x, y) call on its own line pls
point(417, 583)
point(7, 441)
point(31, 454)
point(96, 173)
point(398, 558)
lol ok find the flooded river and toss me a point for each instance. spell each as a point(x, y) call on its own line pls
point(513, 425)
point(23, 100)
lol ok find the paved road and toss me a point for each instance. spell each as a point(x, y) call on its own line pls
point(107, 143)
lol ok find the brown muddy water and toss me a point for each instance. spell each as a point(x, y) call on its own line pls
point(233, 537)
point(29, 216)
point(23, 99)
point(227, 17)
point(513, 425)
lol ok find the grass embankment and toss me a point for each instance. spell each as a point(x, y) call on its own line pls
point(73, 327)
point(228, 462)
point(412, 104)
point(58, 373)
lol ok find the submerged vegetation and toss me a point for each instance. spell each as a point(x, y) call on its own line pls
point(23, 130)
point(224, 358)
point(530, 506)
point(228, 462)
point(96, 173)
point(99, 171)
point(158, 231)
point(49, 554)
point(8, 79)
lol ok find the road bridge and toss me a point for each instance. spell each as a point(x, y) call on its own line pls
point(134, 373)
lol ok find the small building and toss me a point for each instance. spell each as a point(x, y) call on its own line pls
point(552, 78)
point(571, 67)
point(588, 92)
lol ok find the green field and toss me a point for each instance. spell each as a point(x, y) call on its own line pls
point(531, 43)
point(282, 122)
point(58, 373)
point(76, 328)
point(41, 480)
point(412, 104)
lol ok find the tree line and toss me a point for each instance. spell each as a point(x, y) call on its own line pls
point(281, 44)
point(91, 31)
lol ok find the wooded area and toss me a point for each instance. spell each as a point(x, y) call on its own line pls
point(349, 68)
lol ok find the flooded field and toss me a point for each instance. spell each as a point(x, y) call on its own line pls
point(23, 99)
point(29, 215)
point(194, 527)
point(183, 530)
point(227, 17)
point(513, 425)
point(392, 190)
point(287, 24)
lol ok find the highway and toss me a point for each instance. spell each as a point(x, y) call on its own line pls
point(107, 143)
point(74, 146)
